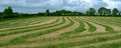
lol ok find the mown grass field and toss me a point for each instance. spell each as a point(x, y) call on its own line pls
point(61, 32)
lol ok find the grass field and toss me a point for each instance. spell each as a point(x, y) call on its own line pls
point(61, 32)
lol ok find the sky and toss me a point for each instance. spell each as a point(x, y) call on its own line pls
point(35, 6)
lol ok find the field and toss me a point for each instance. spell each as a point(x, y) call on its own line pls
point(61, 32)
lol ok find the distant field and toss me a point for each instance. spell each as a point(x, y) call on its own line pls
point(61, 32)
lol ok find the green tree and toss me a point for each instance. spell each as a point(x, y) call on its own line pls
point(87, 13)
point(63, 12)
point(47, 12)
point(115, 12)
point(8, 12)
point(92, 11)
point(119, 13)
point(102, 11)
point(109, 11)
point(0, 13)
point(57, 13)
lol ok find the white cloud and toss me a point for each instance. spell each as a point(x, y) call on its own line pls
point(13, 2)
point(74, 5)
point(55, 2)
point(112, 4)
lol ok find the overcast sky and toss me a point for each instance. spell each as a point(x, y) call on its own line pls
point(34, 6)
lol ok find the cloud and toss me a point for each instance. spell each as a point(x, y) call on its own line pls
point(113, 3)
point(33, 6)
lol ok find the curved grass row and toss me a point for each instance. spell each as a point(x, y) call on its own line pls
point(21, 27)
point(21, 22)
point(92, 28)
point(108, 20)
point(108, 28)
point(81, 43)
point(50, 39)
point(77, 30)
point(64, 40)
point(47, 31)
point(22, 38)
point(70, 43)
point(31, 30)
point(107, 42)
point(113, 45)
point(23, 30)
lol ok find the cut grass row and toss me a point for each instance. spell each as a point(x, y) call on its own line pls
point(44, 24)
point(21, 22)
point(67, 37)
point(92, 28)
point(47, 31)
point(112, 22)
point(108, 28)
point(112, 45)
point(20, 27)
point(22, 38)
point(49, 47)
point(37, 29)
point(66, 25)
point(27, 29)
point(59, 32)
point(77, 30)
point(108, 20)
point(110, 42)
point(84, 42)
point(78, 36)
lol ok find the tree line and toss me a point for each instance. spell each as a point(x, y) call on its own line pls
point(91, 12)
point(102, 11)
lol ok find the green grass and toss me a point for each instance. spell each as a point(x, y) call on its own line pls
point(102, 21)
point(91, 27)
point(96, 40)
point(77, 30)
point(22, 39)
point(24, 25)
point(27, 29)
point(108, 20)
point(78, 36)
point(44, 32)
point(65, 35)
point(108, 28)
point(21, 22)
point(113, 45)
